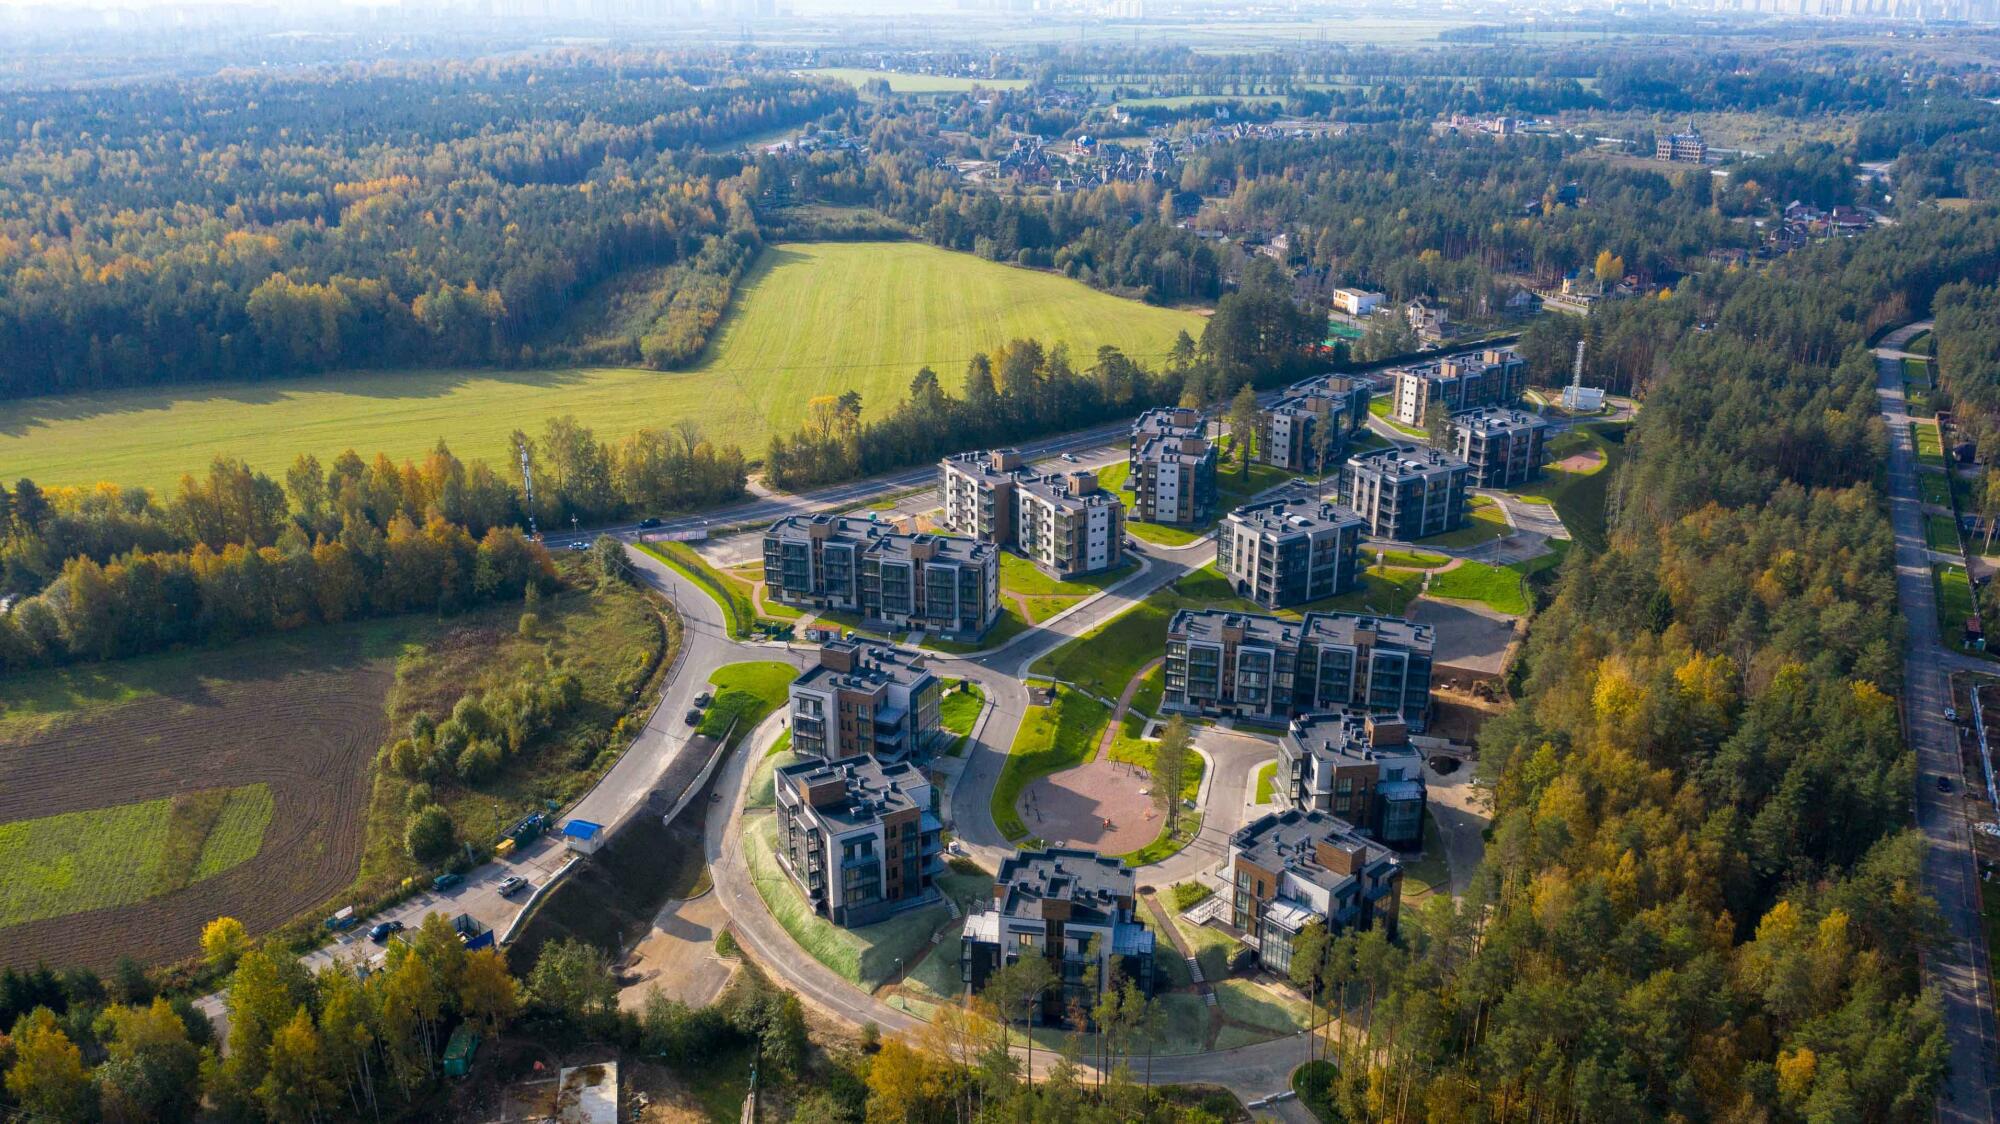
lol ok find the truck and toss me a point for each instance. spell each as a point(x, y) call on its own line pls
point(473, 933)
point(345, 918)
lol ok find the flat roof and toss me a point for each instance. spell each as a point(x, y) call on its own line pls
point(1278, 517)
point(1404, 461)
point(871, 788)
point(875, 665)
point(1094, 885)
point(1346, 629)
point(881, 539)
point(1493, 420)
point(1286, 841)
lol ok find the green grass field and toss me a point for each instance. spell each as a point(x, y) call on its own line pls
point(1497, 587)
point(1954, 600)
point(1940, 533)
point(1930, 451)
point(1411, 559)
point(901, 83)
point(808, 319)
point(77, 861)
point(1483, 523)
point(1579, 497)
point(1051, 739)
point(961, 708)
point(1267, 782)
point(745, 693)
point(1934, 489)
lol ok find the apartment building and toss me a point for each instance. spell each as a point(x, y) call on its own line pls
point(865, 698)
point(1495, 376)
point(1289, 869)
point(1242, 665)
point(1288, 433)
point(1406, 492)
point(936, 583)
point(1063, 522)
point(1503, 447)
point(1279, 554)
point(1074, 906)
point(1358, 766)
point(858, 837)
point(1171, 467)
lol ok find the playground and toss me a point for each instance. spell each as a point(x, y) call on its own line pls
point(1105, 805)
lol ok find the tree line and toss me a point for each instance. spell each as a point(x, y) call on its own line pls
point(106, 572)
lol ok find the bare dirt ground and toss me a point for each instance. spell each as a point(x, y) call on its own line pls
point(1102, 805)
point(678, 957)
point(1580, 462)
point(308, 731)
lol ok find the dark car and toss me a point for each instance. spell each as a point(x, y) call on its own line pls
point(648, 524)
point(694, 716)
point(381, 933)
point(1944, 783)
point(703, 699)
point(445, 882)
point(511, 885)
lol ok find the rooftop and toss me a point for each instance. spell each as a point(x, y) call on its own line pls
point(1095, 886)
point(1289, 842)
point(1402, 461)
point(863, 665)
point(868, 788)
point(1351, 736)
point(1347, 629)
point(1276, 517)
point(881, 540)
point(1174, 448)
point(1494, 420)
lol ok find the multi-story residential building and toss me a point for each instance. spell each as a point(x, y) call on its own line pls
point(1075, 907)
point(1173, 480)
point(1288, 433)
point(1280, 554)
point(1358, 766)
point(1493, 377)
point(979, 494)
point(1163, 421)
point(1406, 492)
point(858, 837)
point(865, 698)
point(1063, 522)
point(1504, 448)
point(1067, 525)
point(1240, 665)
point(938, 583)
point(1686, 148)
point(1289, 869)
point(1356, 302)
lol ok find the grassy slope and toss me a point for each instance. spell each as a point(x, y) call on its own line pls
point(1051, 738)
point(746, 692)
point(809, 319)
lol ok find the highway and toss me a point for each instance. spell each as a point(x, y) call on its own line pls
point(1955, 966)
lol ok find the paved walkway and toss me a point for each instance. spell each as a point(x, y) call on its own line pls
point(1956, 965)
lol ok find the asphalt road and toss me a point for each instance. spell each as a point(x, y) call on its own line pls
point(1956, 964)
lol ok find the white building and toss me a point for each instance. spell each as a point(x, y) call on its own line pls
point(1356, 302)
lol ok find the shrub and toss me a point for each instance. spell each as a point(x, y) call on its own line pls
point(418, 797)
point(430, 834)
point(530, 626)
point(478, 761)
point(1187, 895)
point(725, 945)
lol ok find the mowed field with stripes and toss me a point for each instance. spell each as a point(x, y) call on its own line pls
point(809, 319)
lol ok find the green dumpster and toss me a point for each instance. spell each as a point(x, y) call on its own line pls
point(458, 1052)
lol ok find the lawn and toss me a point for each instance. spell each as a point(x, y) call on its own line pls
point(1917, 373)
point(1579, 497)
point(746, 692)
point(1954, 599)
point(866, 956)
point(763, 779)
point(1483, 523)
point(808, 319)
point(1267, 782)
point(1427, 872)
point(1046, 596)
point(901, 83)
point(1940, 533)
point(1933, 489)
point(739, 608)
point(1167, 845)
point(1411, 559)
point(1383, 408)
point(1264, 1008)
point(1232, 490)
point(1497, 587)
point(960, 709)
point(1051, 738)
point(1009, 625)
point(76, 861)
point(1930, 451)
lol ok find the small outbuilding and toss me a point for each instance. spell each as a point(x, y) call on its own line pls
point(583, 836)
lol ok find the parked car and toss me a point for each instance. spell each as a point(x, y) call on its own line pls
point(648, 523)
point(511, 885)
point(579, 545)
point(1071, 457)
point(1944, 783)
point(703, 699)
point(381, 933)
point(694, 716)
point(1951, 714)
point(445, 882)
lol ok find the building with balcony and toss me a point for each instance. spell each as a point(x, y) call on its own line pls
point(1240, 665)
point(839, 563)
point(1289, 433)
point(858, 837)
point(1280, 554)
point(1289, 869)
point(865, 698)
point(1496, 376)
point(1406, 492)
point(1062, 522)
point(1073, 906)
point(1504, 448)
point(1171, 467)
point(1358, 766)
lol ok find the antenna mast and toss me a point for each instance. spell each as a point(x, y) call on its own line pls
point(528, 483)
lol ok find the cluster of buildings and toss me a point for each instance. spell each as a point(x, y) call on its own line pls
point(1063, 522)
point(1170, 467)
point(1802, 224)
point(1312, 425)
point(1492, 377)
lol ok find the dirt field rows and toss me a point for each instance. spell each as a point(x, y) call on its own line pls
point(307, 731)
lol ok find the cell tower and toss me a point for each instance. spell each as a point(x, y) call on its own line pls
point(1577, 396)
point(528, 488)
